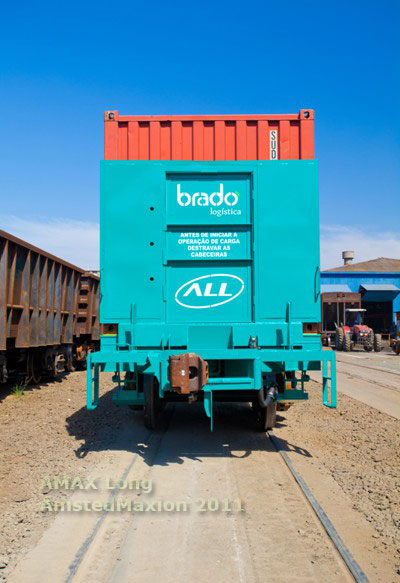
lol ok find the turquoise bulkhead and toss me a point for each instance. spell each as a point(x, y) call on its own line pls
point(220, 259)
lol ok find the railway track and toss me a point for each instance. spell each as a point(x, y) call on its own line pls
point(363, 366)
point(270, 520)
point(392, 383)
point(352, 565)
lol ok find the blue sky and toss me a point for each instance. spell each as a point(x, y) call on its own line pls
point(63, 64)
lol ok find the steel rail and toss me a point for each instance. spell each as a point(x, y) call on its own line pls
point(83, 549)
point(351, 564)
point(352, 375)
point(379, 369)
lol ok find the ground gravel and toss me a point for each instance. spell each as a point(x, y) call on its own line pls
point(48, 432)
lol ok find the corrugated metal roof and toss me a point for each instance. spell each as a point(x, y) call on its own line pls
point(334, 287)
point(381, 264)
point(380, 287)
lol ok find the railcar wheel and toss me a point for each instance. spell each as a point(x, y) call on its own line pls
point(69, 362)
point(56, 365)
point(33, 368)
point(265, 416)
point(152, 405)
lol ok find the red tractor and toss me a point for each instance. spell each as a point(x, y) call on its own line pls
point(354, 332)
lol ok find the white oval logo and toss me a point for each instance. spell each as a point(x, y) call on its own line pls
point(209, 291)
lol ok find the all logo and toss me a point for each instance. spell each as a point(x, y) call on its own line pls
point(209, 291)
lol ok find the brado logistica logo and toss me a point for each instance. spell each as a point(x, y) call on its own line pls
point(225, 200)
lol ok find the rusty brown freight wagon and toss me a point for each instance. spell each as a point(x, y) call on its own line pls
point(48, 312)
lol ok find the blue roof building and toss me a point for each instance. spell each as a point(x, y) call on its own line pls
point(378, 281)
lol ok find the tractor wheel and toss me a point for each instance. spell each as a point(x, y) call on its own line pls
point(370, 345)
point(339, 338)
point(377, 342)
point(347, 343)
point(265, 416)
point(151, 401)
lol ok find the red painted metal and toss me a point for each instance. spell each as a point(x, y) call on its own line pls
point(208, 137)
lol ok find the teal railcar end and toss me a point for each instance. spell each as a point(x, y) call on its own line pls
point(210, 284)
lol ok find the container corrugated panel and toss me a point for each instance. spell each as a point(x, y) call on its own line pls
point(38, 296)
point(219, 137)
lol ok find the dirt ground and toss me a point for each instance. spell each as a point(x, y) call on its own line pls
point(49, 432)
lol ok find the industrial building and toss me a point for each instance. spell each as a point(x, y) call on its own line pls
point(378, 281)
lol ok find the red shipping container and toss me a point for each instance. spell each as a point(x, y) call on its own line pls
point(209, 137)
